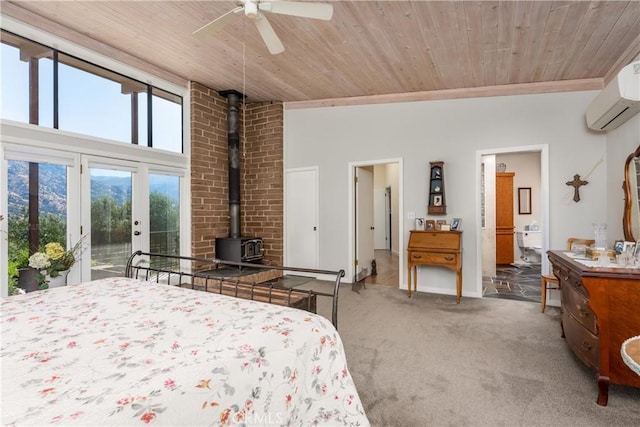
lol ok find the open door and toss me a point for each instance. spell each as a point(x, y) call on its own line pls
point(364, 222)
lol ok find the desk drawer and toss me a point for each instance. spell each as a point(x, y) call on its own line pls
point(435, 240)
point(434, 258)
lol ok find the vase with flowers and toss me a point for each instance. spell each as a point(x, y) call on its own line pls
point(53, 264)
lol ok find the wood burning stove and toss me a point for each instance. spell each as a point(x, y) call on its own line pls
point(236, 248)
point(240, 249)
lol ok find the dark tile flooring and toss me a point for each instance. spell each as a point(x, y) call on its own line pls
point(516, 283)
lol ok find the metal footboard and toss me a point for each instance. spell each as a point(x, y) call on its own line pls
point(195, 273)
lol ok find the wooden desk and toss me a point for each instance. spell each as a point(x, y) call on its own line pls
point(599, 312)
point(437, 248)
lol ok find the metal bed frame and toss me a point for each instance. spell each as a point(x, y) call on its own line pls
point(192, 272)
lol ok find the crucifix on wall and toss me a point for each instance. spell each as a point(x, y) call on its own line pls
point(576, 184)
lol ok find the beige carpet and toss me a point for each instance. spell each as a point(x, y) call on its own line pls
point(427, 361)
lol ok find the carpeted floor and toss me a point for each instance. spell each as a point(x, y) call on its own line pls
point(427, 361)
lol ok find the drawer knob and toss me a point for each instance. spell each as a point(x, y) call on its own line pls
point(449, 258)
point(417, 256)
point(586, 345)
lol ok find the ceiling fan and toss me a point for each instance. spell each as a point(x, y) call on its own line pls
point(255, 9)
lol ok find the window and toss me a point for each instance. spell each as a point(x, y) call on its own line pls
point(37, 211)
point(20, 57)
point(84, 187)
point(94, 101)
point(86, 98)
point(167, 113)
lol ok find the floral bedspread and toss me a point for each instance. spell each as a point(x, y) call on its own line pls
point(124, 352)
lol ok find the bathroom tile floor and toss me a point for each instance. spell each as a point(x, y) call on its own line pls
point(517, 283)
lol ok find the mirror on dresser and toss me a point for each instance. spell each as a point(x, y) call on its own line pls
point(631, 187)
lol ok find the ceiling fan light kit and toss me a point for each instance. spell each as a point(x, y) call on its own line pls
point(252, 10)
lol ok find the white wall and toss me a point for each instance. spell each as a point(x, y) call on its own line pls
point(451, 131)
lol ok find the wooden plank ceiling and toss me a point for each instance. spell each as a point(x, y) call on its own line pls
point(369, 48)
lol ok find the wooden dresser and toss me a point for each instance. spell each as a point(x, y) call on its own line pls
point(438, 248)
point(600, 310)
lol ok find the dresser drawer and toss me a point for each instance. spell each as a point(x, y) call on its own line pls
point(578, 306)
point(583, 343)
point(435, 258)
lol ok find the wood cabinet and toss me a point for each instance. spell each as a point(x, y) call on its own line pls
point(504, 217)
point(599, 312)
point(437, 203)
point(435, 248)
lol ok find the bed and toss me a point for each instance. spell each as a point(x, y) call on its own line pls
point(255, 281)
point(124, 351)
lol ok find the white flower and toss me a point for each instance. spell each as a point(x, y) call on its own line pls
point(39, 261)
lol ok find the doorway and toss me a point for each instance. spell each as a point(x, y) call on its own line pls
point(375, 222)
point(520, 278)
point(128, 206)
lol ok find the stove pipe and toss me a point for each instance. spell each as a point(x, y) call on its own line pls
point(233, 98)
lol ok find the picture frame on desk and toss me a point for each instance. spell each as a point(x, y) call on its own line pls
point(618, 246)
point(420, 224)
point(440, 223)
point(629, 247)
point(456, 224)
point(445, 227)
point(430, 225)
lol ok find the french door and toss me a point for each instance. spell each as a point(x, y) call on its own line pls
point(113, 207)
point(128, 206)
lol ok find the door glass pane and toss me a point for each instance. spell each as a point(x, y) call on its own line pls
point(110, 222)
point(37, 201)
point(164, 212)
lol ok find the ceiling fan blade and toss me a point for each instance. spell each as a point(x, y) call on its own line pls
point(218, 22)
point(269, 36)
point(304, 9)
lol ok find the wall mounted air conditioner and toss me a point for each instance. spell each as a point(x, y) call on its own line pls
point(618, 101)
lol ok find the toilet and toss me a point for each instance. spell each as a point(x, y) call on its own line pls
point(530, 244)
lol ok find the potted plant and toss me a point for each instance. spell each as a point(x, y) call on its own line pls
point(54, 263)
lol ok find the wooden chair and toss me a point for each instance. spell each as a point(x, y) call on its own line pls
point(549, 281)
